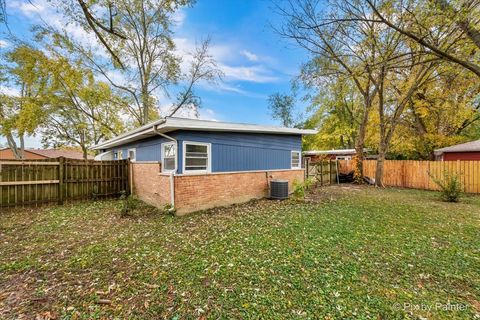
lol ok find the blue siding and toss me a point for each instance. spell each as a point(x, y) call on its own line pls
point(147, 150)
point(241, 158)
point(230, 151)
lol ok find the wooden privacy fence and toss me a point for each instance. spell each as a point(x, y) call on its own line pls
point(323, 171)
point(33, 182)
point(418, 174)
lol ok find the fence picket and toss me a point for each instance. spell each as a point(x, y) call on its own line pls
point(34, 182)
point(418, 174)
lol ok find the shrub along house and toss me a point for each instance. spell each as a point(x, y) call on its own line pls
point(197, 164)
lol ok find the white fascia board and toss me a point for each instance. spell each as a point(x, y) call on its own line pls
point(318, 152)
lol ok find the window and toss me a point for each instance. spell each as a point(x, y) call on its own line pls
point(169, 156)
point(343, 158)
point(117, 155)
point(296, 160)
point(132, 154)
point(196, 157)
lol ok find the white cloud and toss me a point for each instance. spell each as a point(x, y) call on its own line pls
point(178, 18)
point(225, 55)
point(28, 9)
point(233, 88)
point(249, 55)
point(257, 73)
point(208, 114)
point(117, 77)
point(189, 111)
point(9, 91)
point(4, 44)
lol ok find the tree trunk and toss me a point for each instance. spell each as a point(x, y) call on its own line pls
point(145, 106)
point(360, 144)
point(22, 147)
point(13, 146)
point(380, 164)
point(85, 153)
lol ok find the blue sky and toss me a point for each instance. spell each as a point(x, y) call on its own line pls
point(255, 60)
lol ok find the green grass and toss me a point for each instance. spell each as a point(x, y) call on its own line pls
point(359, 253)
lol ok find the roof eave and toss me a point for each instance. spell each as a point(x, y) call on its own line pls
point(164, 127)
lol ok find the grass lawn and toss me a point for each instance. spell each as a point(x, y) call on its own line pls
point(351, 252)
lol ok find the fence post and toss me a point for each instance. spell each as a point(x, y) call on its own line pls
point(321, 172)
point(129, 171)
point(307, 167)
point(329, 171)
point(61, 165)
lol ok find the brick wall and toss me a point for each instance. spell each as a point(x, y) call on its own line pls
point(199, 192)
point(148, 185)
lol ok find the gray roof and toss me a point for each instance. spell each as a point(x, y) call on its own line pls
point(169, 124)
point(471, 146)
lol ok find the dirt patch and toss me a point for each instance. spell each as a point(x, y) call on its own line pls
point(333, 192)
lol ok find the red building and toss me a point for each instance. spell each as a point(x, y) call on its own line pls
point(464, 151)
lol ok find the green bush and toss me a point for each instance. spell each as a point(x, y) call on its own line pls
point(129, 203)
point(299, 188)
point(450, 186)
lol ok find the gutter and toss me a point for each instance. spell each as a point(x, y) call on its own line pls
point(172, 181)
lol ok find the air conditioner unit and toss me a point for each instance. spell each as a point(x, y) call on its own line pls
point(279, 189)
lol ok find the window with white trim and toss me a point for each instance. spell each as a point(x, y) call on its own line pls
point(296, 160)
point(169, 156)
point(196, 157)
point(118, 155)
point(132, 154)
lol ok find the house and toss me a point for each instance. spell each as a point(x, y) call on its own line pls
point(198, 164)
point(36, 154)
point(463, 151)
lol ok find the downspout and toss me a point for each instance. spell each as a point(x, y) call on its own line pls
point(172, 181)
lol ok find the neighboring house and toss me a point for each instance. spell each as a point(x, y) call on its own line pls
point(340, 154)
point(463, 151)
point(35, 154)
point(336, 154)
point(197, 164)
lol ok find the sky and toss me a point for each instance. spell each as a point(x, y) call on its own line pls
point(256, 61)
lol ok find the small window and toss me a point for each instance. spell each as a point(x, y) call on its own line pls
point(296, 160)
point(120, 155)
point(132, 154)
point(169, 156)
point(115, 155)
point(196, 157)
point(343, 158)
